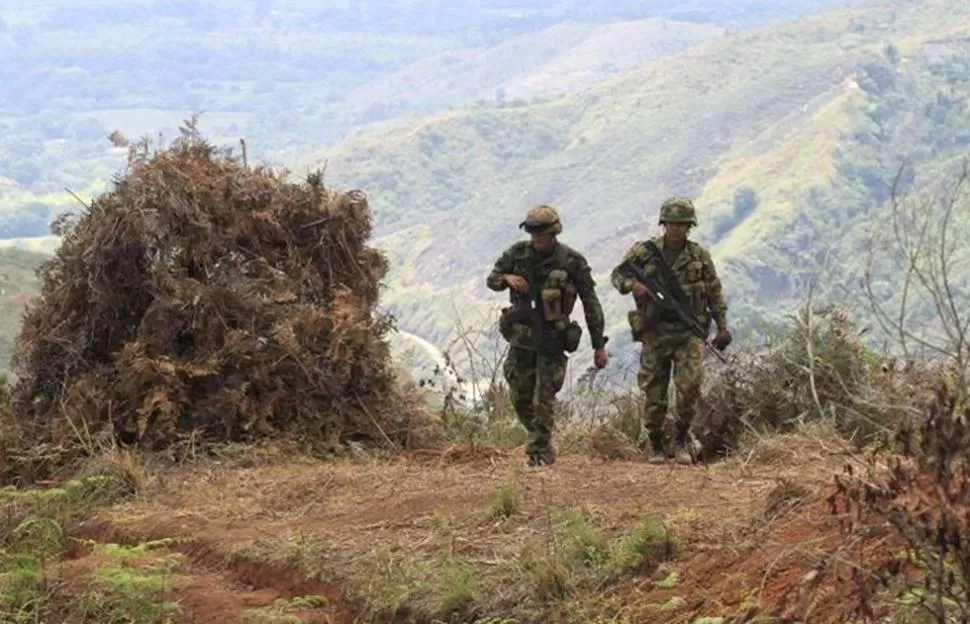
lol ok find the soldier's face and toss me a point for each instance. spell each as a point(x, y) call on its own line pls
point(543, 242)
point(676, 232)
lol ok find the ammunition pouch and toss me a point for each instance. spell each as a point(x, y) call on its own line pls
point(637, 324)
point(557, 297)
point(513, 325)
point(572, 336)
point(552, 305)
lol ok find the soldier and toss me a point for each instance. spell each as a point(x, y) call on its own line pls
point(544, 277)
point(667, 342)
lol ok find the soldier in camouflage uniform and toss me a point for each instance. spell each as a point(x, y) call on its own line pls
point(667, 342)
point(545, 271)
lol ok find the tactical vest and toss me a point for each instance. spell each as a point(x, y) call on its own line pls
point(688, 270)
point(556, 292)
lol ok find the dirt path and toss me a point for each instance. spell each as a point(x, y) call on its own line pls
point(348, 529)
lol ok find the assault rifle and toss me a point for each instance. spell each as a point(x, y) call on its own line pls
point(527, 309)
point(666, 302)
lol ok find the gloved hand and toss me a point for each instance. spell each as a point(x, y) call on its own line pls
point(723, 339)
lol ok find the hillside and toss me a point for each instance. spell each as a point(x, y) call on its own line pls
point(560, 59)
point(813, 115)
point(18, 284)
point(291, 77)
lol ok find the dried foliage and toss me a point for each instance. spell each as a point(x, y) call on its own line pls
point(819, 371)
point(206, 299)
point(919, 502)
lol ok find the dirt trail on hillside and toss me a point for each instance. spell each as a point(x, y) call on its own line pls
point(304, 528)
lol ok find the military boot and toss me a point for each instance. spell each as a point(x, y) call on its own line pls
point(654, 451)
point(683, 456)
point(682, 453)
point(545, 457)
point(655, 457)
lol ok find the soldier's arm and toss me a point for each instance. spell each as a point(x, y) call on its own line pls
point(503, 266)
point(624, 283)
point(715, 292)
point(592, 309)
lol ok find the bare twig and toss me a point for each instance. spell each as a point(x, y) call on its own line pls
point(79, 200)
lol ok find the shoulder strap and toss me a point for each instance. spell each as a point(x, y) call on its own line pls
point(667, 274)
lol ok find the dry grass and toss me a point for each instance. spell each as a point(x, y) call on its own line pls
point(478, 536)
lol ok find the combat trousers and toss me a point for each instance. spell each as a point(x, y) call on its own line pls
point(536, 416)
point(662, 355)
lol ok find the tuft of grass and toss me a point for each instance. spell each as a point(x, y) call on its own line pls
point(23, 588)
point(280, 612)
point(550, 578)
point(457, 586)
point(439, 588)
point(505, 500)
point(584, 547)
point(268, 615)
point(673, 604)
point(645, 546)
point(671, 581)
point(441, 520)
point(581, 559)
point(40, 536)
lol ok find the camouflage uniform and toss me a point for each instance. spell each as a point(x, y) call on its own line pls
point(556, 278)
point(668, 345)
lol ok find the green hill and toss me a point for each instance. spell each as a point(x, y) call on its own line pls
point(295, 76)
point(788, 136)
point(18, 284)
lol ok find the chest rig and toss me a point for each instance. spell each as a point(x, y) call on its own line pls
point(553, 292)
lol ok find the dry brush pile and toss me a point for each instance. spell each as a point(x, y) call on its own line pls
point(207, 300)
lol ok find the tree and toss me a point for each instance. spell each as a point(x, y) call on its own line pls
point(917, 261)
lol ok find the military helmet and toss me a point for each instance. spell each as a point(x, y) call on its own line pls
point(678, 210)
point(542, 219)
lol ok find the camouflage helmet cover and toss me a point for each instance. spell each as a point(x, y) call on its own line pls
point(678, 210)
point(542, 219)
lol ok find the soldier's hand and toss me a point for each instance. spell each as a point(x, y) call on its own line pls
point(517, 282)
point(639, 290)
point(600, 358)
point(722, 340)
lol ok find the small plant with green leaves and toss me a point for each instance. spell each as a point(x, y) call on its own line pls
point(34, 529)
point(131, 584)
